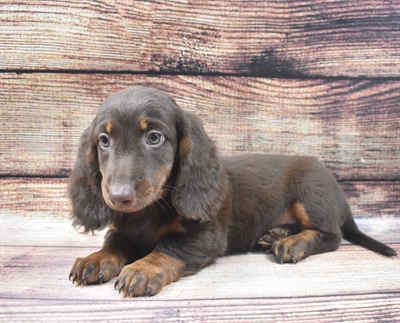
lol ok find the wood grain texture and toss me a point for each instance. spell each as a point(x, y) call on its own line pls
point(380, 199)
point(329, 287)
point(353, 126)
point(268, 38)
point(38, 198)
point(46, 198)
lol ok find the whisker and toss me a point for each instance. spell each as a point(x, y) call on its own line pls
point(170, 188)
point(97, 199)
point(171, 208)
point(160, 204)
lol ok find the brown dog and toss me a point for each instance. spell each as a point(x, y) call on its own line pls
point(148, 170)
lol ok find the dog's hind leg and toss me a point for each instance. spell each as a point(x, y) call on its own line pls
point(303, 244)
point(278, 233)
point(293, 242)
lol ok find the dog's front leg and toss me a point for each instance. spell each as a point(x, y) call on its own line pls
point(175, 256)
point(105, 264)
point(147, 276)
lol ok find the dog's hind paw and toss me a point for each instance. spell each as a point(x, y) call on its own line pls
point(280, 232)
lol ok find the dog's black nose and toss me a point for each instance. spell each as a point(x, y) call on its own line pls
point(121, 196)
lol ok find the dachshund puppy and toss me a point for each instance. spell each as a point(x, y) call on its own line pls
point(148, 171)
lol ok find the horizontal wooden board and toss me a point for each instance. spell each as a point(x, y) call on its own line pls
point(41, 198)
point(329, 287)
point(47, 198)
point(268, 38)
point(353, 126)
point(381, 199)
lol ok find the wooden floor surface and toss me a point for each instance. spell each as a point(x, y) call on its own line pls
point(349, 285)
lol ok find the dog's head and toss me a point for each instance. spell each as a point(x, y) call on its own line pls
point(136, 137)
point(140, 148)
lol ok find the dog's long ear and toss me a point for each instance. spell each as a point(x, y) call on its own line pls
point(201, 184)
point(88, 207)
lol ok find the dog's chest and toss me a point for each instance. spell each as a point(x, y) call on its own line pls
point(145, 232)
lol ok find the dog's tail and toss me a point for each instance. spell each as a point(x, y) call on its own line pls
point(351, 233)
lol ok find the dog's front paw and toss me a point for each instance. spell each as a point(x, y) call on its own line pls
point(141, 279)
point(97, 268)
point(147, 276)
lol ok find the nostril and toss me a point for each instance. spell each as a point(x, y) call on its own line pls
point(121, 196)
point(127, 203)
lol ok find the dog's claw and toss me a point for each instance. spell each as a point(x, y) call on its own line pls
point(131, 289)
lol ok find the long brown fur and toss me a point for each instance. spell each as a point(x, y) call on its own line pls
point(147, 170)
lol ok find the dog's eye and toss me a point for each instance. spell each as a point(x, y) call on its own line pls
point(155, 138)
point(104, 141)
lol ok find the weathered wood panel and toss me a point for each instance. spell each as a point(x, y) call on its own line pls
point(40, 198)
point(269, 38)
point(47, 198)
point(381, 199)
point(329, 287)
point(353, 126)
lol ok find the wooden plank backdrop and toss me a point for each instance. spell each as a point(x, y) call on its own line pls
point(353, 126)
point(288, 77)
point(269, 38)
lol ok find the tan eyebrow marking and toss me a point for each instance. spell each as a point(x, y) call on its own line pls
point(143, 123)
point(108, 126)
